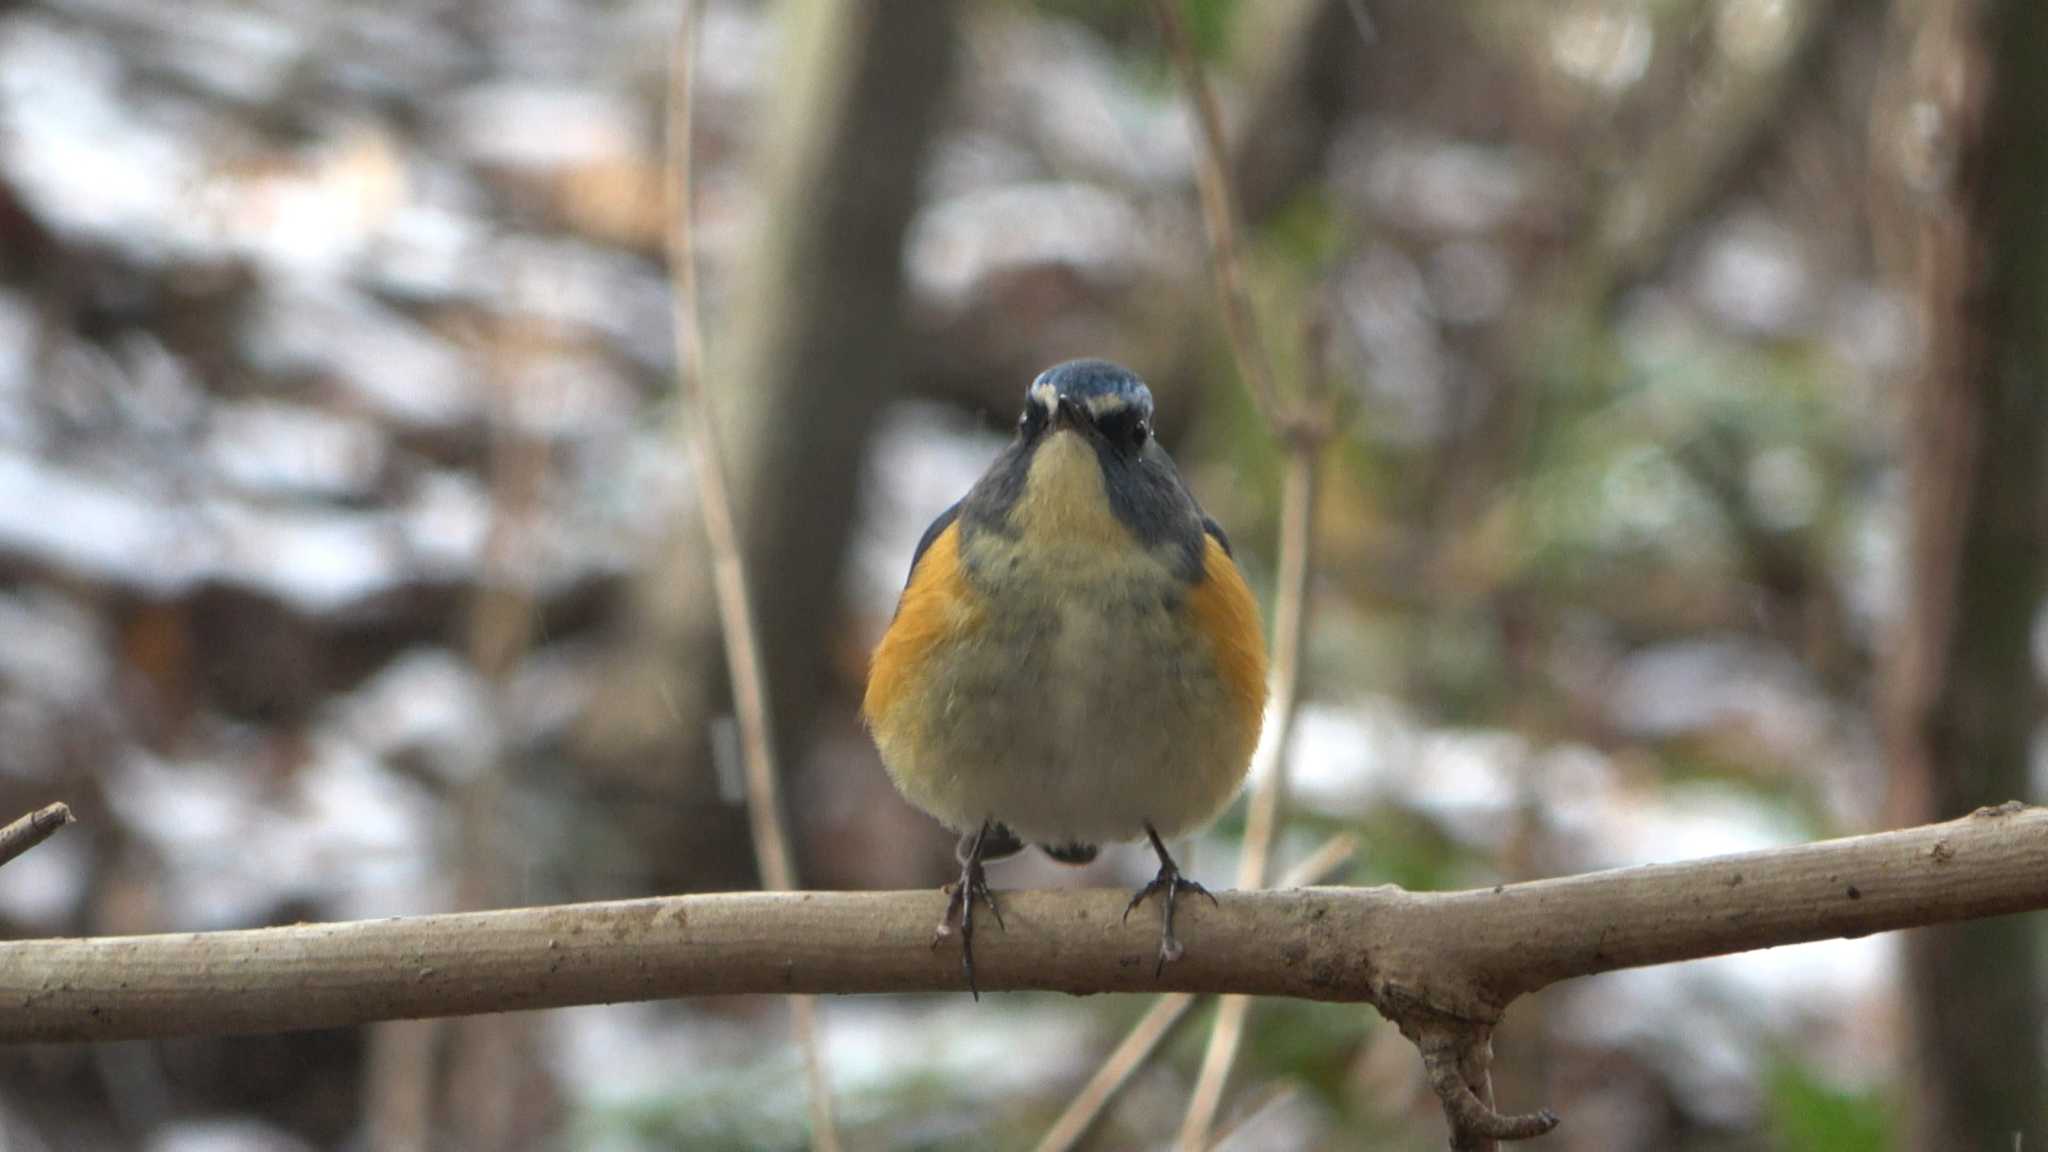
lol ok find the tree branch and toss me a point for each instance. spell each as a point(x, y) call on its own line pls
point(1453, 1058)
point(32, 829)
point(1422, 958)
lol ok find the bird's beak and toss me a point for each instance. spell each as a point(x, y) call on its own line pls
point(1069, 413)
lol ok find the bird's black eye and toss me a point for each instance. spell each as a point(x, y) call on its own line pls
point(1126, 428)
point(1031, 421)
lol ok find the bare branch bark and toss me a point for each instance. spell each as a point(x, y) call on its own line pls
point(32, 829)
point(1457, 957)
point(1452, 1058)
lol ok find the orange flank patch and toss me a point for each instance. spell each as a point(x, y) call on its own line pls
point(1225, 612)
point(934, 607)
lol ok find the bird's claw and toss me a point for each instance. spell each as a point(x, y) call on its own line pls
point(960, 897)
point(1171, 883)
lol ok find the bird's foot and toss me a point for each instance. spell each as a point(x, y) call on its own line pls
point(960, 897)
point(1169, 883)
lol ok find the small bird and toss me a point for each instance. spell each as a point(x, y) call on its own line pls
point(1075, 659)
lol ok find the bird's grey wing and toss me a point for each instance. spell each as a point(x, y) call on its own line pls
point(930, 536)
point(1215, 530)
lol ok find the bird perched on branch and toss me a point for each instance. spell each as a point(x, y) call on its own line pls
point(1075, 659)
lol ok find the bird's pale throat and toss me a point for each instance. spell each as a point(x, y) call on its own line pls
point(1064, 502)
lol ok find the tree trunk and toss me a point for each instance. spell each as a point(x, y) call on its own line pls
point(1963, 702)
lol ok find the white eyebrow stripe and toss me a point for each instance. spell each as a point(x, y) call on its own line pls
point(1045, 395)
point(1107, 403)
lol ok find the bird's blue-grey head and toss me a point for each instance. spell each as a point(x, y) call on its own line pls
point(1104, 391)
point(1084, 458)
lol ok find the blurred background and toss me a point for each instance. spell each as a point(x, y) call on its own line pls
point(349, 563)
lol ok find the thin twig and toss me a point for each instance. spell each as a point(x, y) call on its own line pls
point(1268, 803)
point(1160, 1021)
point(735, 601)
point(1302, 431)
point(1219, 218)
point(771, 839)
point(33, 829)
point(1089, 1105)
point(1461, 955)
point(1269, 1100)
point(1298, 498)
